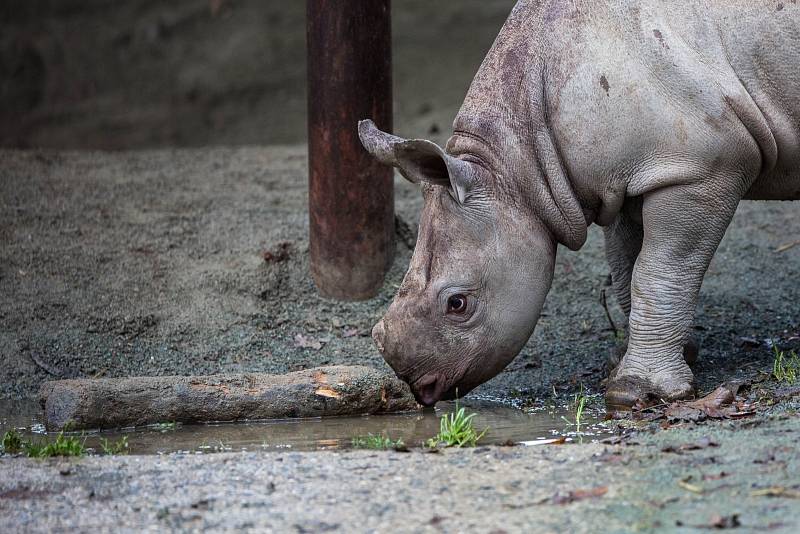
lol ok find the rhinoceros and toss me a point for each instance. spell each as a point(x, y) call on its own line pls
point(651, 119)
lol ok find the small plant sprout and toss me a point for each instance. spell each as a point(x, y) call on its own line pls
point(785, 367)
point(456, 430)
point(579, 403)
point(12, 442)
point(62, 446)
point(371, 441)
point(115, 447)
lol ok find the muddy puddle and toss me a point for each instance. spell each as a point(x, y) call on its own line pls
point(505, 423)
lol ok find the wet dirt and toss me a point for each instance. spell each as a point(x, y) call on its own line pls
point(504, 424)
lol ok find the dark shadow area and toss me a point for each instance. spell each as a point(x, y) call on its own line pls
point(102, 74)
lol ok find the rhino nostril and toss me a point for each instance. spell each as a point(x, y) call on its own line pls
point(378, 333)
point(427, 390)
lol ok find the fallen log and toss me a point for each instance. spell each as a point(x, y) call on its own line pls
point(137, 401)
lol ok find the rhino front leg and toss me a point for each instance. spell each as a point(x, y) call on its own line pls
point(623, 239)
point(683, 225)
point(623, 242)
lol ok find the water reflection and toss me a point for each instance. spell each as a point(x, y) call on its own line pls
point(505, 424)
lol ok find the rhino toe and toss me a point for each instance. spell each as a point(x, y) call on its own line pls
point(625, 392)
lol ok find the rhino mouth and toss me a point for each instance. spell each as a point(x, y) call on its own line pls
point(427, 389)
point(434, 387)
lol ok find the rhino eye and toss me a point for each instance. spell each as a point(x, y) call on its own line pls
point(457, 304)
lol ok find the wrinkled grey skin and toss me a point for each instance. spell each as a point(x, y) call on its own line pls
point(651, 119)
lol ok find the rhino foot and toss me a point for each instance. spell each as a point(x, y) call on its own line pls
point(623, 392)
point(691, 352)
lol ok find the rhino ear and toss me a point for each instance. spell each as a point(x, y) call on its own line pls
point(419, 160)
point(379, 144)
point(424, 161)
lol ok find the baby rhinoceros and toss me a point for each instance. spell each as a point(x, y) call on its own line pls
point(651, 119)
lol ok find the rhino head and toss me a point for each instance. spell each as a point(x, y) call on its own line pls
point(478, 277)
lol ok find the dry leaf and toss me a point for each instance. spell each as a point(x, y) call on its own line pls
point(730, 521)
point(278, 253)
point(722, 396)
point(688, 486)
point(680, 411)
point(777, 491)
point(715, 405)
point(578, 495)
point(787, 246)
point(702, 443)
point(553, 441)
point(717, 522)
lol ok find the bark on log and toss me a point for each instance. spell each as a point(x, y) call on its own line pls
point(124, 402)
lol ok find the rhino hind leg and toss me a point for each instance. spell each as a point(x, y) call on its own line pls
point(623, 242)
point(685, 224)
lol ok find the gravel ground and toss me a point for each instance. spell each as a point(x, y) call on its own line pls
point(741, 474)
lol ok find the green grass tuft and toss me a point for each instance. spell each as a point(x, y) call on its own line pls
point(579, 403)
point(785, 367)
point(115, 447)
point(12, 442)
point(456, 430)
point(62, 446)
point(371, 441)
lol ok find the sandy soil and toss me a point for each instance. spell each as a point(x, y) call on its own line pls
point(153, 262)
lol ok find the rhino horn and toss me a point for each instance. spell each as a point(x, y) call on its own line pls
point(419, 160)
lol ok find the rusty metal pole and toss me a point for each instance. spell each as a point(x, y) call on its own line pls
point(351, 197)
